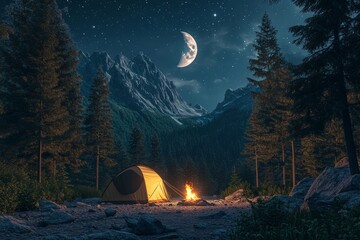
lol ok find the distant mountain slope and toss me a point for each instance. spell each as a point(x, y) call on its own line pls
point(137, 84)
point(214, 141)
point(239, 99)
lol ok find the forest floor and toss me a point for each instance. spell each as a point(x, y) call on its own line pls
point(187, 222)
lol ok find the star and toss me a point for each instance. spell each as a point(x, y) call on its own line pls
point(215, 15)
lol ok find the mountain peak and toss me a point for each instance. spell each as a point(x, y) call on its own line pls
point(138, 84)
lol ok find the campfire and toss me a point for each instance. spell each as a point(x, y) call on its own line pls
point(190, 195)
point(191, 198)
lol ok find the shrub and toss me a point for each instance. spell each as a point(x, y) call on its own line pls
point(18, 192)
point(251, 191)
point(86, 192)
point(270, 221)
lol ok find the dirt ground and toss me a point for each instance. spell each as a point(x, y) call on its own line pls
point(180, 218)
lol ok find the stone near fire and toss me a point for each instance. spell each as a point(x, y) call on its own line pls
point(109, 212)
point(145, 225)
point(46, 205)
point(237, 195)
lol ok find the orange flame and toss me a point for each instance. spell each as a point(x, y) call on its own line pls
point(190, 195)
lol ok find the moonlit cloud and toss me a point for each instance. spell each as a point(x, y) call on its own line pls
point(193, 85)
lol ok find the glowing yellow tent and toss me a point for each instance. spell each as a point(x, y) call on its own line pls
point(137, 184)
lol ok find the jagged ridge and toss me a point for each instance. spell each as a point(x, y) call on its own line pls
point(137, 84)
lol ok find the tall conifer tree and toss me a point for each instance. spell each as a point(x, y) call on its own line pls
point(35, 115)
point(268, 128)
point(321, 88)
point(136, 148)
point(99, 129)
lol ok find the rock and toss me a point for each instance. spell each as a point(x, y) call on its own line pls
point(151, 204)
point(109, 235)
point(350, 199)
point(199, 203)
point(109, 212)
point(46, 205)
point(332, 188)
point(131, 222)
point(145, 225)
point(89, 200)
point(169, 236)
point(300, 189)
point(57, 217)
point(239, 194)
point(217, 215)
point(287, 203)
point(9, 224)
point(91, 210)
point(200, 226)
point(353, 184)
point(117, 227)
point(70, 204)
point(342, 163)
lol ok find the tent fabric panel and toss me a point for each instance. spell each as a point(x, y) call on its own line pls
point(111, 193)
point(156, 190)
point(128, 182)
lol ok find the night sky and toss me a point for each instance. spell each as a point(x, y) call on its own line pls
point(224, 31)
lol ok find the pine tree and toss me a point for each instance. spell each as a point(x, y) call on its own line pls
point(156, 161)
point(34, 114)
point(320, 90)
point(99, 130)
point(70, 81)
point(136, 148)
point(37, 62)
point(268, 127)
point(234, 178)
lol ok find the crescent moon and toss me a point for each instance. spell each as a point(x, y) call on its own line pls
point(190, 51)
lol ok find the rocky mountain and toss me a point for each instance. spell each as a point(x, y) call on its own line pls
point(137, 84)
point(239, 99)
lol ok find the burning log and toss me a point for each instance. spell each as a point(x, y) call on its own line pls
point(191, 198)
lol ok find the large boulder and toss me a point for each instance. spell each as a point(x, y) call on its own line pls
point(287, 203)
point(57, 217)
point(9, 224)
point(145, 225)
point(300, 189)
point(237, 195)
point(46, 205)
point(334, 187)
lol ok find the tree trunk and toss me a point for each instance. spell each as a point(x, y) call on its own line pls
point(293, 163)
point(40, 161)
point(97, 167)
point(346, 120)
point(54, 168)
point(40, 146)
point(283, 164)
point(350, 145)
point(256, 169)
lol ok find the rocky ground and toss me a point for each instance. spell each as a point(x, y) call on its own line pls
point(92, 220)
